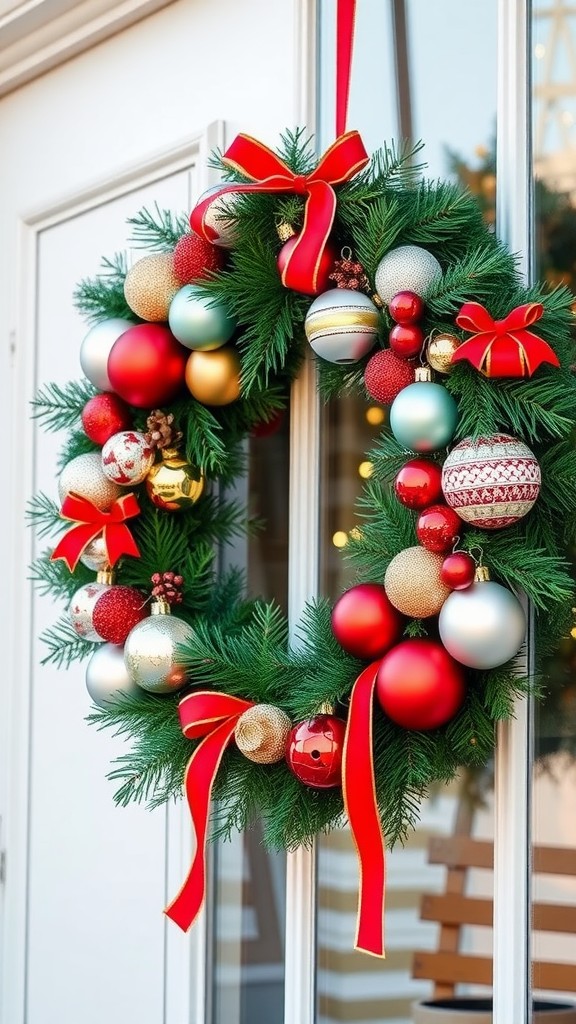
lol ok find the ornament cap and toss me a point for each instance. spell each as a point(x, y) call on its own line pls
point(326, 708)
point(105, 576)
point(169, 453)
point(423, 373)
point(160, 607)
point(285, 231)
point(481, 575)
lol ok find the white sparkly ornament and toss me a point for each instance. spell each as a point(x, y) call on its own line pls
point(82, 606)
point(218, 217)
point(95, 555)
point(84, 476)
point(484, 625)
point(491, 482)
point(107, 675)
point(342, 325)
point(127, 458)
point(95, 349)
point(150, 650)
point(407, 268)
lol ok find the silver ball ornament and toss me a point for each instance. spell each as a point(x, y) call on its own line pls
point(407, 268)
point(218, 217)
point(198, 322)
point(423, 417)
point(81, 610)
point(95, 349)
point(342, 325)
point(150, 653)
point(95, 555)
point(84, 476)
point(482, 626)
point(107, 675)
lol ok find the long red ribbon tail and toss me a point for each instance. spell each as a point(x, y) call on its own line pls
point(344, 45)
point(199, 781)
point(359, 789)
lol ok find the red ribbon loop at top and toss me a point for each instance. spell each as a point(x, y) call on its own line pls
point(213, 716)
point(91, 522)
point(503, 348)
point(269, 173)
point(359, 790)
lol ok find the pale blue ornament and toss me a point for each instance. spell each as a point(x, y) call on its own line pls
point(198, 321)
point(423, 416)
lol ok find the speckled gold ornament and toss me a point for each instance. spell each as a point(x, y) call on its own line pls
point(262, 733)
point(213, 378)
point(441, 348)
point(150, 650)
point(150, 286)
point(413, 582)
point(173, 483)
point(84, 476)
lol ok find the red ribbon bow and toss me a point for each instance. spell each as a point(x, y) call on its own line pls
point(253, 160)
point(503, 348)
point(360, 802)
point(92, 521)
point(214, 716)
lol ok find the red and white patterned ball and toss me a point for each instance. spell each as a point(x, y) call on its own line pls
point(127, 458)
point(491, 482)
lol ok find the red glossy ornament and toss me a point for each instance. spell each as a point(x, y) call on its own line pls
point(386, 375)
point(103, 416)
point(419, 686)
point(117, 612)
point(325, 268)
point(364, 621)
point(406, 340)
point(195, 258)
point(406, 307)
point(458, 570)
point(419, 483)
point(146, 365)
point(438, 528)
point(314, 751)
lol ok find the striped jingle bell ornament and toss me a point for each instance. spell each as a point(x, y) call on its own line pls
point(342, 325)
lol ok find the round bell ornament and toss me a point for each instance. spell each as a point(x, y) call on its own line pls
point(407, 268)
point(127, 458)
point(342, 325)
point(172, 483)
point(96, 347)
point(82, 607)
point(262, 732)
point(423, 417)
point(107, 676)
point(84, 476)
point(484, 625)
point(314, 752)
point(198, 321)
point(150, 650)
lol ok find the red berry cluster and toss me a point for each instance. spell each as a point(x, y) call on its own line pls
point(167, 585)
point(406, 338)
point(349, 273)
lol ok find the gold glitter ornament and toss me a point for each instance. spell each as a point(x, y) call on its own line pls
point(413, 583)
point(150, 286)
point(150, 650)
point(440, 350)
point(262, 732)
point(173, 483)
point(84, 476)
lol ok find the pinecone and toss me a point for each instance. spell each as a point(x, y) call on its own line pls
point(349, 273)
point(161, 431)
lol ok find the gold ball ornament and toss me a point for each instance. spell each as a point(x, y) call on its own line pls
point(413, 583)
point(441, 348)
point(84, 476)
point(262, 732)
point(213, 378)
point(173, 483)
point(150, 286)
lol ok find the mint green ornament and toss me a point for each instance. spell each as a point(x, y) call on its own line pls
point(198, 321)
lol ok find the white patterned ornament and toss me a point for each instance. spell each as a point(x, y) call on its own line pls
point(127, 458)
point(491, 482)
point(407, 268)
point(150, 650)
point(342, 325)
point(82, 606)
point(84, 476)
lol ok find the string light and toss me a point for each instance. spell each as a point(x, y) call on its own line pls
point(340, 539)
point(375, 416)
point(365, 470)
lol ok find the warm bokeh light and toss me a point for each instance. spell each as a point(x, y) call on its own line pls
point(340, 539)
point(365, 470)
point(355, 533)
point(375, 416)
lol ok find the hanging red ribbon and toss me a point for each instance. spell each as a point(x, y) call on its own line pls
point(345, 19)
point(253, 160)
point(90, 523)
point(503, 348)
point(214, 716)
point(359, 790)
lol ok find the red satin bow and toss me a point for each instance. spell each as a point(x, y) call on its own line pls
point(214, 716)
point(253, 160)
point(92, 521)
point(503, 348)
point(359, 790)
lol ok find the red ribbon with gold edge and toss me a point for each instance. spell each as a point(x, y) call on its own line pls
point(253, 160)
point(214, 716)
point(503, 348)
point(91, 522)
point(359, 789)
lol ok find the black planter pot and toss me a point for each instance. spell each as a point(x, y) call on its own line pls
point(473, 1010)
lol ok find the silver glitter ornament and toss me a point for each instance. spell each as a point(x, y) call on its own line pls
point(484, 625)
point(84, 476)
point(150, 649)
point(95, 349)
point(107, 675)
point(407, 268)
point(342, 325)
point(82, 606)
point(198, 322)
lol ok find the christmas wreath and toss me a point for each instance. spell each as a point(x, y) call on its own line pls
point(466, 517)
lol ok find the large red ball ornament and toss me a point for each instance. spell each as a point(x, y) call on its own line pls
point(438, 528)
point(117, 612)
point(406, 307)
point(314, 751)
point(324, 270)
point(458, 570)
point(194, 258)
point(406, 340)
point(386, 375)
point(364, 621)
point(103, 416)
point(419, 686)
point(146, 365)
point(419, 483)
